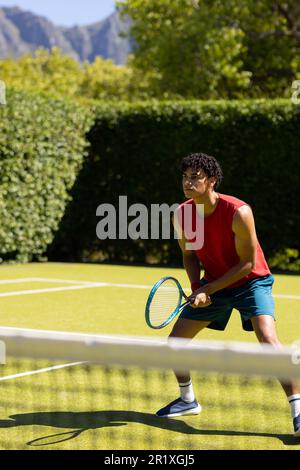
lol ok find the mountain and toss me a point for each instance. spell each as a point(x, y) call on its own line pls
point(22, 31)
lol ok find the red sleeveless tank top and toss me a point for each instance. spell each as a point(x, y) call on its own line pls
point(218, 254)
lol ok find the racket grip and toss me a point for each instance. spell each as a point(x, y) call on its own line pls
point(184, 305)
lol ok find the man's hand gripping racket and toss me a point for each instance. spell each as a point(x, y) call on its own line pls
point(167, 299)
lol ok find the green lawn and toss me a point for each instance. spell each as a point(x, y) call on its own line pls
point(97, 414)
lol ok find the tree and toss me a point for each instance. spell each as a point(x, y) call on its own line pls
point(46, 71)
point(272, 38)
point(104, 80)
point(214, 48)
point(61, 76)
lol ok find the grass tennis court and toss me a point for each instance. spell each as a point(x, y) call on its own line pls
point(110, 300)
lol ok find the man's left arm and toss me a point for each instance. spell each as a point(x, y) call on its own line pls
point(243, 227)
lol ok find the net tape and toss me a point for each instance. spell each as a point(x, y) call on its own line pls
point(147, 353)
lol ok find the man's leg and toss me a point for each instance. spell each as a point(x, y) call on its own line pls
point(265, 330)
point(186, 329)
point(187, 403)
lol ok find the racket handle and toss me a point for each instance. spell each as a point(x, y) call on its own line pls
point(184, 305)
point(188, 302)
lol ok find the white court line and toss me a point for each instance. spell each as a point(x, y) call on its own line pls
point(50, 289)
point(97, 284)
point(16, 281)
point(44, 279)
point(283, 296)
point(40, 371)
point(140, 286)
point(88, 285)
point(63, 281)
point(128, 286)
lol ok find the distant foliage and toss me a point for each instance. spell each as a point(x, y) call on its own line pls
point(216, 49)
point(286, 259)
point(63, 77)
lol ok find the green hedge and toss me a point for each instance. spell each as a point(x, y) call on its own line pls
point(42, 146)
point(136, 150)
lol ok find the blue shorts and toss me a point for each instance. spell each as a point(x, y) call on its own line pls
point(251, 299)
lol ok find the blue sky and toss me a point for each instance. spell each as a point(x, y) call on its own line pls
point(66, 12)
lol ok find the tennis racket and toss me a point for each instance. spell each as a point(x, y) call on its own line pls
point(165, 301)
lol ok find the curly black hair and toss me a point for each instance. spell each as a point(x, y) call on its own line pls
point(201, 161)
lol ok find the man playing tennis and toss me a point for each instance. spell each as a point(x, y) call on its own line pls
point(236, 275)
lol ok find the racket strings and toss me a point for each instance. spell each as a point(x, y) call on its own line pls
point(165, 301)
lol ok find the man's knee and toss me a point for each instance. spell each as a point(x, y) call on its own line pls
point(187, 329)
point(178, 331)
point(265, 330)
point(268, 337)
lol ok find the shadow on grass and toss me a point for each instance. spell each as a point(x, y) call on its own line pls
point(84, 421)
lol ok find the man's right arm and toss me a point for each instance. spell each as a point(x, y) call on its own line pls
point(190, 260)
point(193, 269)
